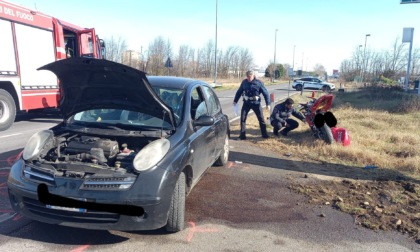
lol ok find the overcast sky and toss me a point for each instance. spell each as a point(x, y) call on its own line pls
point(320, 31)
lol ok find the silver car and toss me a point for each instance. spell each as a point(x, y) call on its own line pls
point(312, 83)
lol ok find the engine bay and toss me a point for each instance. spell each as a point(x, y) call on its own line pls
point(75, 152)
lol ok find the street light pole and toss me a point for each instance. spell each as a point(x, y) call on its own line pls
point(215, 51)
point(364, 57)
point(302, 60)
point(359, 67)
point(275, 47)
point(293, 66)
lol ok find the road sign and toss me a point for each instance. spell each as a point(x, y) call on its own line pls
point(409, 1)
point(408, 35)
point(168, 63)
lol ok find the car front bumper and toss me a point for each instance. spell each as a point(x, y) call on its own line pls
point(102, 210)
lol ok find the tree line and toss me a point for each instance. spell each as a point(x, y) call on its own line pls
point(386, 66)
point(232, 62)
point(365, 65)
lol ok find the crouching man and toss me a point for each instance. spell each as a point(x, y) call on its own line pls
point(280, 117)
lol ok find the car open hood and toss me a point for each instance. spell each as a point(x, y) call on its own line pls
point(95, 83)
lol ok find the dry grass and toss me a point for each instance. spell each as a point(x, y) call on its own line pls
point(383, 125)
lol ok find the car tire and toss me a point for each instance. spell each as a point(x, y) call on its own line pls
point(176, 218)
point(326, 89)
point(224, 154)
point(7, 110)
point(298, 87)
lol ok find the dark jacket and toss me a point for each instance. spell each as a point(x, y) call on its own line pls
point(281, 113)
point(252, 89)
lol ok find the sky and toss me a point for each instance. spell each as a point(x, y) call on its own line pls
point(308, 32)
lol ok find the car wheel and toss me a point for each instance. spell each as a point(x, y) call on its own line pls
point(298, 87)
point(224, 154)
point(176, 218)
point(326, 88)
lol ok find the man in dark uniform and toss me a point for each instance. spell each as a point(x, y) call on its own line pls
point(280, 117)
point(251, 89)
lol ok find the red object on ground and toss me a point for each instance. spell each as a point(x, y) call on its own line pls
point(341, 136)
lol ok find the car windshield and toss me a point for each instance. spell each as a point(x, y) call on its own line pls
point(174, 98)
point(103, 118)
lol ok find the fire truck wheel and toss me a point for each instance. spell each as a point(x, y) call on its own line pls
point(7, 110)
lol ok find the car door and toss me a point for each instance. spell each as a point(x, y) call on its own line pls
point(306, 82)
point(317, 83)
point(220, 121)
point(202, 143)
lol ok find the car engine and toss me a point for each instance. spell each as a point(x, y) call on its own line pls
point(66, 151)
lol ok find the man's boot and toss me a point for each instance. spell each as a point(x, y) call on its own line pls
point(263, 128)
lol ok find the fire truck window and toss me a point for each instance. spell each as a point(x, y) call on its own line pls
point(69, 49)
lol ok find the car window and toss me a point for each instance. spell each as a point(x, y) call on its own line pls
point(198, 105)
point(212, 104)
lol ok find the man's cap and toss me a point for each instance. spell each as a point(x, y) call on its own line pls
point(249, 72)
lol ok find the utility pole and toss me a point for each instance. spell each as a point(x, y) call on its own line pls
point(275, 47)
point(215, 51)
point(293, 66)
point(364, 58)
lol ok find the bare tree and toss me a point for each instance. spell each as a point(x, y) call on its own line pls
point(319, 69)
point(395, 59)
point(115, 48)
point(158, 53)
point(245, 60)
point(206, 59)
point(229, 62)
point(390, 64)
point(182, 60)
point(415, 61)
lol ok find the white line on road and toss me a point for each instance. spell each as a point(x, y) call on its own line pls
point(11, 135)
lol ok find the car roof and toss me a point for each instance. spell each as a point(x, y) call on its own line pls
point(171, 81)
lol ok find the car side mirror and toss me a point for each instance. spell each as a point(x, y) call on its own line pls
point(203, 121)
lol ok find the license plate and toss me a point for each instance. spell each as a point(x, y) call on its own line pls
point(71, 209)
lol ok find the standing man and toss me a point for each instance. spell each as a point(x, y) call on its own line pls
point(251, 89)
point(280, 117)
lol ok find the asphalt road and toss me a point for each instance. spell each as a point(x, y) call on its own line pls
point(243, 207)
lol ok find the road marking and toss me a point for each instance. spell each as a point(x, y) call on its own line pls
point(194, 229)
point(11, 135)
point(6, 217)
point(80, 249)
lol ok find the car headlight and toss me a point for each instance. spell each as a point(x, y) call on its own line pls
point(150, 155)
point(36, 143)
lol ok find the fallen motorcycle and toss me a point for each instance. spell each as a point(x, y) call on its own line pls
point(322, 122)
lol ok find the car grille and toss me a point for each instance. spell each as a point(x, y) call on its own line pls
point(38, 175)
point(89, 216)
point(98, 182)
point(108, 183)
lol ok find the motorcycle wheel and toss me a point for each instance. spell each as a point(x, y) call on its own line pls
point(326, 134)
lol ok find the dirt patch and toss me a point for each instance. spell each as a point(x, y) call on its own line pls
point(384, 205)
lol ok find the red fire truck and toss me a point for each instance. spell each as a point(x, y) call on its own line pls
point(28, 40)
